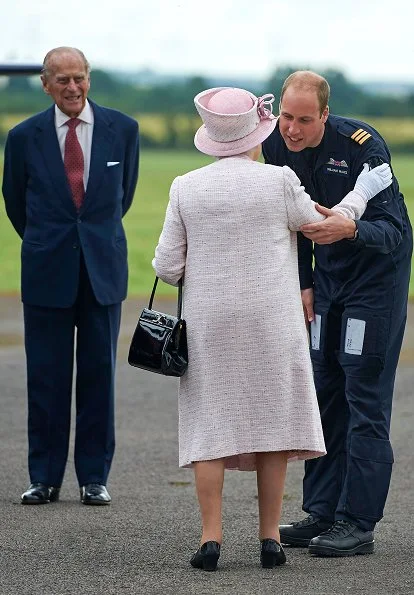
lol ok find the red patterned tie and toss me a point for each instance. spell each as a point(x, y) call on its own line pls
point(74, 163)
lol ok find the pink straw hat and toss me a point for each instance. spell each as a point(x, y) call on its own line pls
point(235, 121)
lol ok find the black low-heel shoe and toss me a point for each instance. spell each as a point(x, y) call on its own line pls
point(271, 553)
point(206, 556)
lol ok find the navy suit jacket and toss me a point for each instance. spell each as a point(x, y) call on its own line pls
point(39, 205)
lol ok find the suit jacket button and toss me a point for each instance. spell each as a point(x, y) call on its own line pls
point(75, 246)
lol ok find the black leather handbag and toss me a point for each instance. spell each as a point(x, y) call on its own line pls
point(159, 343)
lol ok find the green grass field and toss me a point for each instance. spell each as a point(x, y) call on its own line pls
point(144, 221)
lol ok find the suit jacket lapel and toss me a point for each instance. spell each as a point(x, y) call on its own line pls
point(48, 145)
point(102, 141)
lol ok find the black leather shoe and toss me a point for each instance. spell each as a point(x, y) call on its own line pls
point(206, 556)
point(299, 534)
point(271, 553)
point(342, 539)
point(95, 494)
point(39, 493)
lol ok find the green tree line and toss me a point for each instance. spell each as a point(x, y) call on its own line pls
point(167, 100)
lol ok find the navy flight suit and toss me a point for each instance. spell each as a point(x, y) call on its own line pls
point(360, 288)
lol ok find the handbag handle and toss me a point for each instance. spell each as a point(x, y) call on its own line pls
point(180, 296)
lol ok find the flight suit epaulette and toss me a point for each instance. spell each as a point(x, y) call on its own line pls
point(354, 131)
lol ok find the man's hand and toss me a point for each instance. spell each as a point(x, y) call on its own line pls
point(307, 303)
point(334, 228)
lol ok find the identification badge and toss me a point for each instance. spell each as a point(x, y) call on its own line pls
point(354, 336)
point(315, 332)
point(335, 170)
point(337, 167)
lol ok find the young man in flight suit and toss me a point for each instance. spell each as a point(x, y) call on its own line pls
point(355, 299)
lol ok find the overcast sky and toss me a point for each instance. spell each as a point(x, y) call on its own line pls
point(367, 39)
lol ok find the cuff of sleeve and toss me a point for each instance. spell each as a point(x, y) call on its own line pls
point(356, 234)
point(305, 280)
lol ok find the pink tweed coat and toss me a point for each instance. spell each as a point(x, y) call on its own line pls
point(230, 230)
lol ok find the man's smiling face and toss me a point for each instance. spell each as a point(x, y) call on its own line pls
point(67, 81)
point(301, 123)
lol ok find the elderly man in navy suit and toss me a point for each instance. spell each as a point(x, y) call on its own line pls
point(69, 177)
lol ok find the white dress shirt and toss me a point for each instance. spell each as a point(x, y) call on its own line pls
point(84, 132)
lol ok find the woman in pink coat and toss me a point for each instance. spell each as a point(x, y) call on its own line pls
point(247, 400)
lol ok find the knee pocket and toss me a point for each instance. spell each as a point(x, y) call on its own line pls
point(369, 475)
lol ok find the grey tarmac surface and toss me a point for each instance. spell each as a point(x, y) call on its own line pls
point(142, 543)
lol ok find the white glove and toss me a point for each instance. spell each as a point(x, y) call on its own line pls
point(370, 182)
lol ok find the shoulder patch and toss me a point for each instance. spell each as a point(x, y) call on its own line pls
point(351, 130)
point(360, 136)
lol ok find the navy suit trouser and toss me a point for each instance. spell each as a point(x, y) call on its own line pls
point(52, 337)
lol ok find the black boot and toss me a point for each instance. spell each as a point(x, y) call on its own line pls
point(342, 539)
point(300, 533)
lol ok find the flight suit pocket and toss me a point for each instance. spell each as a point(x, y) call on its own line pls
point(317, 337)
point(363, 343)
point(368, 478)
point(362, 366)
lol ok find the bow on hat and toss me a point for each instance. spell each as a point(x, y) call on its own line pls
point(265, 107)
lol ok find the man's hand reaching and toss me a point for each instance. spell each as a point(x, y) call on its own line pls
point(334, 228)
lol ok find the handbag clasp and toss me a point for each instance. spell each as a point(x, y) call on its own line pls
point(160, 319)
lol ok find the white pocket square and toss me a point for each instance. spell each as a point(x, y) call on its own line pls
point(111, 163)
